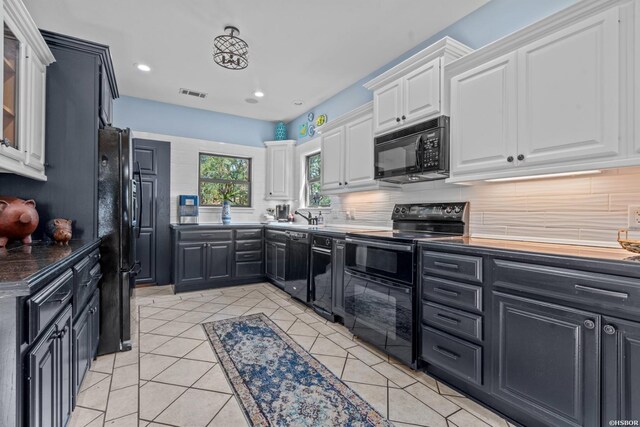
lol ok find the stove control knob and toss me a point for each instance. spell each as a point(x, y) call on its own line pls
point(396, 210)
point(448, 210)
point(403, 210)
point(457, 209)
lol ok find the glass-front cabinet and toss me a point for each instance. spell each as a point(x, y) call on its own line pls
point(25, 58)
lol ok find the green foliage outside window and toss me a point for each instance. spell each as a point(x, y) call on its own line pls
point(314, 170)
point(224, 178)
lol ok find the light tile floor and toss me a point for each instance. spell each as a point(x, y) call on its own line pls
point(172, 378)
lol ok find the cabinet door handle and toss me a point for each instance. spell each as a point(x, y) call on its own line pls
point(398, 119)
point(510, 159)
point(589, 324)
point(445, 352)
point(609, 329)
point(448, 319)
point(446, 292)
point(521, 157)
point(339, 183)
point(404, 117)
point(605, 292)
point(446, 265)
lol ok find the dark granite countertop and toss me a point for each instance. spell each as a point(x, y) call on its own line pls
point(215, 225)
point(25, 269)
point(334, 231)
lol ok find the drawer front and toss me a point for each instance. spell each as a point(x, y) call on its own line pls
point(247, 269)
point(249, 245)
point(611, 293)
point(47, 303)
point(457, 322)
point(249, 234)
point(463, 267)
point(86, 288)
point(454, 355)
point(276, 236)
point(249, 256)
point(460, 295)
point(202, 235)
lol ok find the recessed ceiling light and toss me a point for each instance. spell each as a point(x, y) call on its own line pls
point(298, 102)
point(258, 93)
point(143, 67)
point(251, 101)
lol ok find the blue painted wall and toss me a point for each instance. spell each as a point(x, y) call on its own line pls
point(492, 21)
point(169, 119)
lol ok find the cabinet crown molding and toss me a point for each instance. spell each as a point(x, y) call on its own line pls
point(290, 142)
point(19, 13)
point(445, 46)
point(347, 117)
point(565, 17)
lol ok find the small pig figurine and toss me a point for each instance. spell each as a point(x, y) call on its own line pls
point(18, 219)
point(59, 230)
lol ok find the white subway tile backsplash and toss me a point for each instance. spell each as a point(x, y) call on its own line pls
point(586, 210)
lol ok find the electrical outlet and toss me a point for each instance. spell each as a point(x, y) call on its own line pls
point(634, 217)
point(348, 212)
point(353, 214)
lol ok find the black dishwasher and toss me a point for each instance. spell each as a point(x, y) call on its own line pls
point(321, 276)
point(296, 281)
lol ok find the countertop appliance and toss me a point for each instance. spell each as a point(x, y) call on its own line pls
point(119, 213)
point(380, 274)
point(188, 209)
point(417, 153)
point(282, 213)
point(320, 282)
point(296, 278)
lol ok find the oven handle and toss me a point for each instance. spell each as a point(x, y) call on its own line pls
point(322, 250)
point(381, 245)
point(404, 288)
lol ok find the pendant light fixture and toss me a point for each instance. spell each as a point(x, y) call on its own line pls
point(230, 51)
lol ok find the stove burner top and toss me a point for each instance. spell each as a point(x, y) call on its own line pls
point(398, 235)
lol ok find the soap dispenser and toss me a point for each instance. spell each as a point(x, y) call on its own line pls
point(320, 219)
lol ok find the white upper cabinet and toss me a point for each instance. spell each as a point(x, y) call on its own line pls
point(332, 149)
point(358, 152)
point(25, 58)
point(387, 103)
point(412, 90)
point(279, 170)
point(569, 94)
point(551, 98)
point(346, 149)
point(636, 82)
point(421, 92)
point(483, 102)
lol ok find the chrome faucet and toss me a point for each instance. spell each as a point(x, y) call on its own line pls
point(311, 220)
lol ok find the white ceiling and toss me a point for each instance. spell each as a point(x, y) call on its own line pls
point(307, 50)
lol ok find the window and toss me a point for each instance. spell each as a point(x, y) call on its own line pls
point(314, 198)
point(224, 177)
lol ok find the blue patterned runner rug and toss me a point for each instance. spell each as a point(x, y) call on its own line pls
point(279, 383)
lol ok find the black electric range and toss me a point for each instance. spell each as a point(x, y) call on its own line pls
point(380, 274)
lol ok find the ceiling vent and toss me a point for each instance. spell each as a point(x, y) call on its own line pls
point(195, 93)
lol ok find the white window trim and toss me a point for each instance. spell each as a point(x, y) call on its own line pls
point(305, 150)
point(247, 209)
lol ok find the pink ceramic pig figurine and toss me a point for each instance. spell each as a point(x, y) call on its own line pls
point(18, 219)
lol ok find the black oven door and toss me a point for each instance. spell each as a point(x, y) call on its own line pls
point(398, 157)
point(393, 261)
point(381, 313)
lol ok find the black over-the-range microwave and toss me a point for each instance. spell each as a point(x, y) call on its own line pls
point(417, 153)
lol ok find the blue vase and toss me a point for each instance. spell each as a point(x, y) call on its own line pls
point(226, 212)
point(281, 131)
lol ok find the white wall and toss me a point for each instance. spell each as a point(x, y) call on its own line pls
point(184, 175)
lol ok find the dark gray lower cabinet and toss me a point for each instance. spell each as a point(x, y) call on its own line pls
point(621, 370)
point(86, 334)
point(547, 361)
point(275, 260)
point(337, 302)
point(49, 380)
point(192, 263)
point(270, 260)
point(94, 320)
point(219, 260)
point(281, 261)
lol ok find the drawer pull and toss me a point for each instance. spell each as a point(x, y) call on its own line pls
point(446, 352)
point(446, 292)
point(61, 299)
point(448, 319)
point(613, 294)
point(446, 265)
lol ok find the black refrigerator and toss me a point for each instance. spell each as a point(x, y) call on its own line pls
point(118, 219)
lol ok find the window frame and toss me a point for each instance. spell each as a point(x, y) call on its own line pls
point(309, 181)
point(225, 181)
